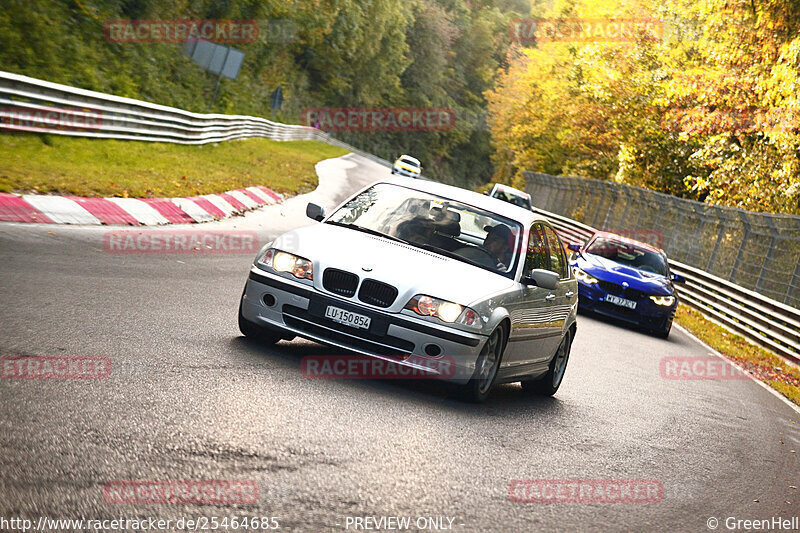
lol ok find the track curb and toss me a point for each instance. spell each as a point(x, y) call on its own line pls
point(133, 211)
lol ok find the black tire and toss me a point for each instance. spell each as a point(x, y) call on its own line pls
point(482, 381)
point(548, 384)
point(664, 332)
point(256, 332)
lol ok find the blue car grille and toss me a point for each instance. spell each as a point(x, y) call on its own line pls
point(619, 290)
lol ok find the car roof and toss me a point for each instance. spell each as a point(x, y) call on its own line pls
point(413, 159)
point(520, 214)
point(608, 234)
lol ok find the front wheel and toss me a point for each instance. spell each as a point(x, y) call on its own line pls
point(664, 332)
point(479, 386)
point(256, 332)
point(548, 384)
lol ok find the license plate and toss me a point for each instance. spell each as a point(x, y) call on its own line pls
point(622, 302)
point(347, 318)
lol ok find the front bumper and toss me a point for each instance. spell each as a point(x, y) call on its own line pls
point(646, 315)
point(298, 309)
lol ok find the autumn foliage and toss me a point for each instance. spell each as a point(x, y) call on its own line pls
point(707, 109)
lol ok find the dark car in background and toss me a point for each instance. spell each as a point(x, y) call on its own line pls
point(627, 280)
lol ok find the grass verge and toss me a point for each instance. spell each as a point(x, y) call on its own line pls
point(762, 364)
point(31, 163)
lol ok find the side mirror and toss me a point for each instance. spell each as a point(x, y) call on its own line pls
point(545, 279)
point(677, 278)
point(315, 212)
point(575, 247)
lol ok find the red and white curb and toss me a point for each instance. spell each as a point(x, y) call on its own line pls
point(133, 211)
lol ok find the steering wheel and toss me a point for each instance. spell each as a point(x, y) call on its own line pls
point(483, 256)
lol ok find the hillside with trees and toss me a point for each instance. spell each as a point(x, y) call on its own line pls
point(321, 53)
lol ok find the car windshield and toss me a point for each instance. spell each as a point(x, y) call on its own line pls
point(512, 198)
point(629, 254)
point(438, 224)
point(408, 162)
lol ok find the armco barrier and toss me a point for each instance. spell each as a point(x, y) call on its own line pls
point(32, 105)
point(763, 321)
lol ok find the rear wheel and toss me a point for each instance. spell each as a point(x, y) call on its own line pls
point(548, 384)
point(480, 385)
point(256, 332)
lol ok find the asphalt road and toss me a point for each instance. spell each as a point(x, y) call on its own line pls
point(190, 399)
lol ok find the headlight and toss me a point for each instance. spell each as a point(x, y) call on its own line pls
point(442, 309)
point(663, 300)
point(286, 262)
point(580, 275)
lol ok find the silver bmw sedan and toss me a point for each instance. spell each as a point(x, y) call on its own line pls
point(414, 272)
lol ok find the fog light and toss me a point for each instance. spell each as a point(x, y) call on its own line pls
point(432, 350)
point(269, 300)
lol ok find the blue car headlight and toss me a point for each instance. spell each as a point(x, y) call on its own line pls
point(663, 300)
point(580, 275)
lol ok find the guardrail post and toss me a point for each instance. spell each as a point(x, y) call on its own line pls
point(742, 246)
point(768, 259)
point(722, 230)
point(596, 215)
point(627, 206)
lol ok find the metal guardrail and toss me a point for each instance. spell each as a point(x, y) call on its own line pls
point(758, 251)
point(37, 106)
point(763, 321)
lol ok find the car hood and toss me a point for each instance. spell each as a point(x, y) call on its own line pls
point(608, 270)
point(412, 270)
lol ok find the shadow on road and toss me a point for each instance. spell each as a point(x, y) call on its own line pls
point(505, 399)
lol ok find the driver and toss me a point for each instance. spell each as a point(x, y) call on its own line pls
point(497, 242)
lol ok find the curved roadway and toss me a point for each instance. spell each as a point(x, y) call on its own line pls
point(189, 398)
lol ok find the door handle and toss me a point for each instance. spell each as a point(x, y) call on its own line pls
point(569, 294)
point(550, 297)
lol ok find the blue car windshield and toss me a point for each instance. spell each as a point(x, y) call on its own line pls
point(629, 254)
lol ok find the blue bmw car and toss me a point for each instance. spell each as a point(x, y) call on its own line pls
point(627, 280)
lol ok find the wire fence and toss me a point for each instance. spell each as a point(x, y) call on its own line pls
point(758, 251)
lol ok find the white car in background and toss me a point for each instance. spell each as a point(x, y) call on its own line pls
point(512, 196)
point(407, 166)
